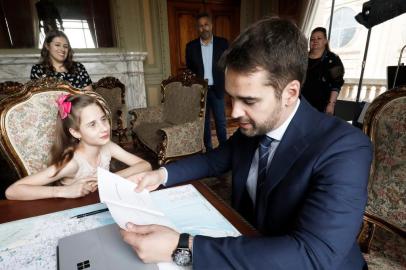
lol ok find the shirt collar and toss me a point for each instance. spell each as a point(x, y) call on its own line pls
point(209, 43)
point(277, 134)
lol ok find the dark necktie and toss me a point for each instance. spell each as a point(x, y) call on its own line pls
point(263, 150)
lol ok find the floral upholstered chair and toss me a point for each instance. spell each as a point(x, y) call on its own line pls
point(383, 236)
point(113, 91)
point(27, 123)
point(175, 128)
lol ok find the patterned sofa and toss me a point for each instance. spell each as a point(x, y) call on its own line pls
point(383, 235)
point(28, 120)
point(175, 128)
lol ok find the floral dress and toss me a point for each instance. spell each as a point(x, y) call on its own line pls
point(78, 79)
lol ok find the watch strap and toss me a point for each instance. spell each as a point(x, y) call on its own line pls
point(183, 241)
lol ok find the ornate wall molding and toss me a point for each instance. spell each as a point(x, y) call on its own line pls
point(128, 67)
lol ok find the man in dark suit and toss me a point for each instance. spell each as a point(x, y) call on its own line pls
point(299, 176)
point(202, 55)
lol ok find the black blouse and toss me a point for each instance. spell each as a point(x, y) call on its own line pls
point(78, 79)
point(323, 76)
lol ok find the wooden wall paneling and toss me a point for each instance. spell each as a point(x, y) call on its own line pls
point(226, 19)
point(182, 25)
point(182, 29)
point(19, 21)
point(292, 9)
point(186, 33)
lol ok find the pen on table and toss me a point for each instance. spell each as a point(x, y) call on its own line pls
point(91, 213)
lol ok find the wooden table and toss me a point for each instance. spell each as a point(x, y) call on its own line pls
point(13, 210)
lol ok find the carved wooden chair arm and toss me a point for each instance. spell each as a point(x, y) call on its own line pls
point(365, 235)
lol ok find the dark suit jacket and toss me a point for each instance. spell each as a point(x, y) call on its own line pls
point(194, 61)
point(316, 191)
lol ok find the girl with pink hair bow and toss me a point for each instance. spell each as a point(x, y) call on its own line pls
point(81, 145)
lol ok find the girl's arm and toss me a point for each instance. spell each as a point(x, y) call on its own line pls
point(136, 164)
point(34, 187)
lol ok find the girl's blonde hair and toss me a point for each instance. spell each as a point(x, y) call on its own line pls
point(65, 144)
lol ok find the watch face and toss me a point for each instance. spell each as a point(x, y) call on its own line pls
point(182, 256)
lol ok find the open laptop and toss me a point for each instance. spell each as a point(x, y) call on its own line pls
point(101, 248)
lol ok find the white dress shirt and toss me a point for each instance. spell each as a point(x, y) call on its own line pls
point(207, 55)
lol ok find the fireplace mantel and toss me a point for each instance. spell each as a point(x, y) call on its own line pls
point(128, 67)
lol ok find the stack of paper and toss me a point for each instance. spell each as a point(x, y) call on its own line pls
point(126, 205)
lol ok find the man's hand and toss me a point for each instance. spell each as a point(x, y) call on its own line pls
point(149, 180)
point(152, 243)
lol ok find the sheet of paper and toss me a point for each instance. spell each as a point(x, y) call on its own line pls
point(126, 205)
point(190, 211)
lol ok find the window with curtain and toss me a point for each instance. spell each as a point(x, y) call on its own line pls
point(348, 40)
point(87, 23)
point(78, 33)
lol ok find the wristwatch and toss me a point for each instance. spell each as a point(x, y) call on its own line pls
point(182, 255)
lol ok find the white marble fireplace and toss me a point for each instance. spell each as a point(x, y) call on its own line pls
point(128, 67)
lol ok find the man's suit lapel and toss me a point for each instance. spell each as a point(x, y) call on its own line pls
point(281, 164)
point(199, 55)
point(292, 145)
point(216, 55)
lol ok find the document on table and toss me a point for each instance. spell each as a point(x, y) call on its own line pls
point(182, 208)
point(31, 243)
point(126, 205)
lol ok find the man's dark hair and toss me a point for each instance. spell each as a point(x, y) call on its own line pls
point(274, 45)
point(203, 15)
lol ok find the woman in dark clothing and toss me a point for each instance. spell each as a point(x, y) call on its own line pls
point(325, 73)
point(56, 61)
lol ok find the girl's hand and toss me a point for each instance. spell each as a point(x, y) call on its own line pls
point(78, 189)
point(92, 181)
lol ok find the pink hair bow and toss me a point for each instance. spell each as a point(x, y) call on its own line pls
point(63, 105)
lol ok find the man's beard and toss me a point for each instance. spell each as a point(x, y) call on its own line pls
point(261, 128)
point(205, 35)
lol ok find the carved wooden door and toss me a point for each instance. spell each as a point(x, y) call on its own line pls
point(182, 25)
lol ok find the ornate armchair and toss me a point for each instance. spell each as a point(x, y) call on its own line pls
point(175, 128)
point(113, 91)
point(27, 123)
point(383, 234)
point(8, 88)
